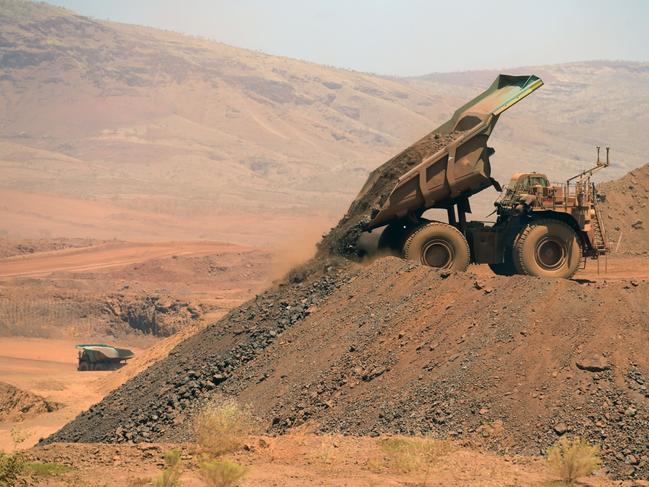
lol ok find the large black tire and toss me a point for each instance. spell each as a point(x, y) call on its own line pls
point(83, 366)
point(101, 366)
point(547, 248)
point(438, 245)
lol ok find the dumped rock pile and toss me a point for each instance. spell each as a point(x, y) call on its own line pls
point(394, 347)
point(341, 240)
point(626, 211)
point(155, 403)
point(509, 363)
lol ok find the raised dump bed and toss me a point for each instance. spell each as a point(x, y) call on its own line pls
point(460, 167)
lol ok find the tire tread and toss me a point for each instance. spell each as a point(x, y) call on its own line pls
point(419, 229)
point(522, 237)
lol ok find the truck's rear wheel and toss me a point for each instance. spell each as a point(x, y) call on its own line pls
point(438, 245)
point(83, 366)
point(547, 248)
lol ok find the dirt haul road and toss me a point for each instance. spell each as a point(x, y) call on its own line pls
point(305, 460)
point(47, 368)
point(103, 256)
point(74, 299)
point(615, 267)
point(121, 288)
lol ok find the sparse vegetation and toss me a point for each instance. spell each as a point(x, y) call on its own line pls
point(139, 482)
point(375, 465)
point(327, 452)
point(414, 455)
point(222, 473)
point(46, 469)
point(571, 458)
point(222, 426)
point(18, 436)
point(11, 466)
point(170, 477)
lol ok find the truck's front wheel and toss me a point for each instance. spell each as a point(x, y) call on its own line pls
point(547, 248)
point(438, 245)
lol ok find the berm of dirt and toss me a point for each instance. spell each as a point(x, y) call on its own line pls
point(18, 405)
point(626, 212)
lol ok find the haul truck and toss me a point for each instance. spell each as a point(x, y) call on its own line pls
point(97, 356)
point(542, 229)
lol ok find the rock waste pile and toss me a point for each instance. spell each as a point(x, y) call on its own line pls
point(394, 347)
point(626, 212)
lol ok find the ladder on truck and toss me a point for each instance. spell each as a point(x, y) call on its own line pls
point(600, 244)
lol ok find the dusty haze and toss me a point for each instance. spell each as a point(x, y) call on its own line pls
point(117, 131)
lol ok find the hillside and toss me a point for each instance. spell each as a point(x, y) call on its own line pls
point(626, 213)
point(161, 123)
point(390, 348)
point(112, 130)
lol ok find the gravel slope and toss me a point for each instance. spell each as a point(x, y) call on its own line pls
point(626, 214)
point(390, 348)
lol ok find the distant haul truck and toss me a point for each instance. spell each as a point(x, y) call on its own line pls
point(542, 229)
point(102, 357)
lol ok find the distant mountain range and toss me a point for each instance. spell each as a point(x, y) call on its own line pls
point(113, 130)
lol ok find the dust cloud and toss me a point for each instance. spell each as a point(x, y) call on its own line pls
point(297, 249)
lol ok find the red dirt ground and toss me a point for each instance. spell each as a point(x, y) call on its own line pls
point(303, 460)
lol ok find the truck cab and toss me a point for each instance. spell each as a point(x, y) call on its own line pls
point(523, 182)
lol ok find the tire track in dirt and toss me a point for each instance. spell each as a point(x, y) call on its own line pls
point(104, 256)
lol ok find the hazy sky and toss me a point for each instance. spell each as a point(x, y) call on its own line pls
point(403, 37)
